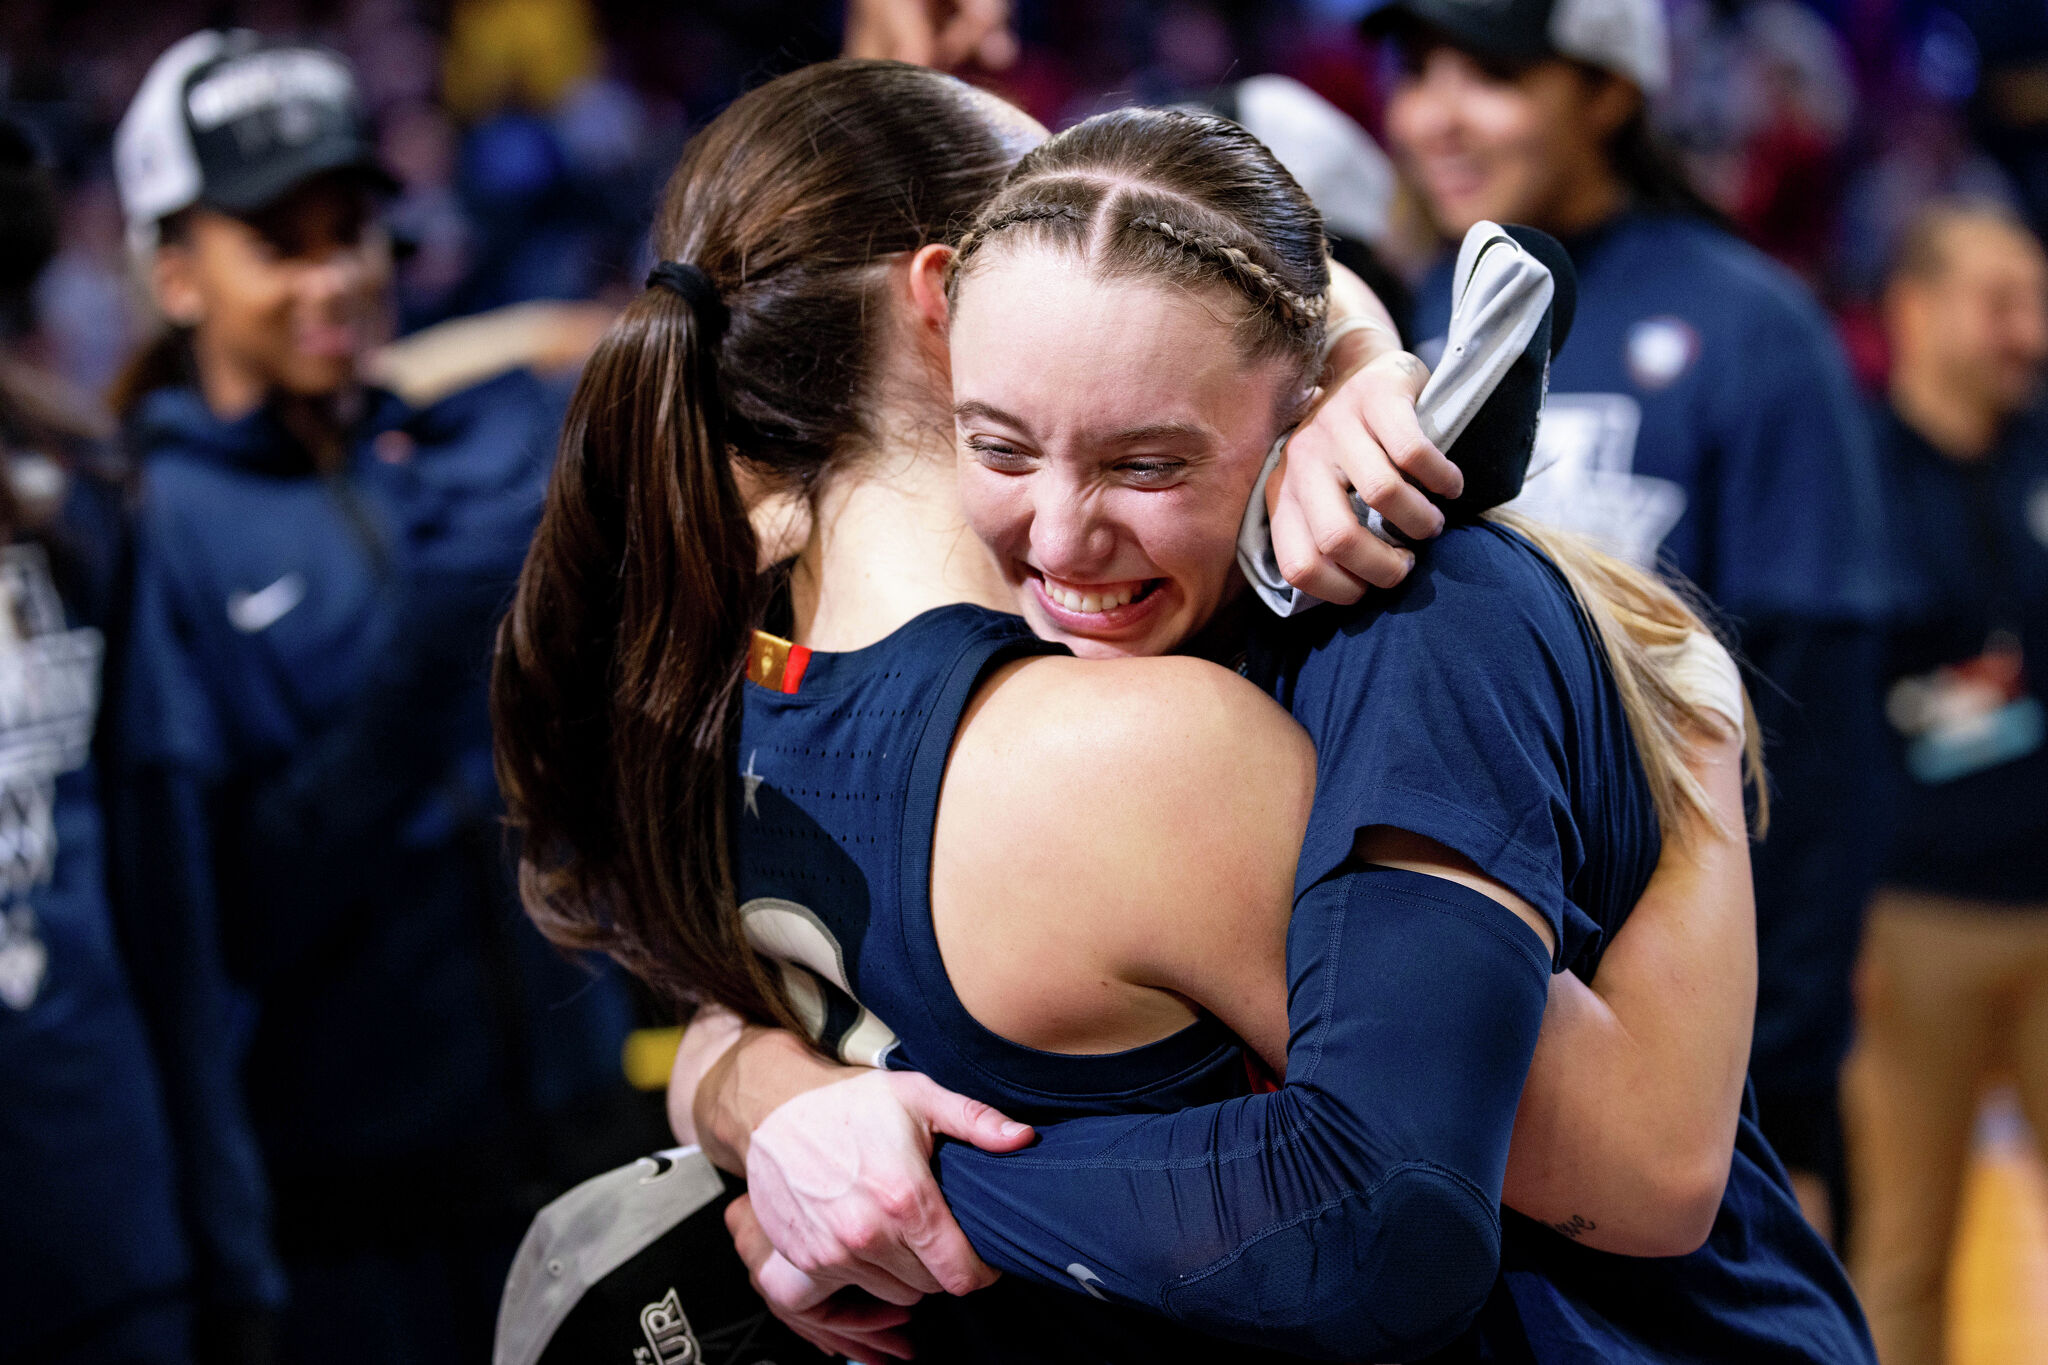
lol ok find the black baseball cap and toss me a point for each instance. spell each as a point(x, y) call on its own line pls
point(635, 1267)
point(227, 120)
point(1626, 37)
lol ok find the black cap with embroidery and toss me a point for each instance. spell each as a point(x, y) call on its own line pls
point(635, 1267)
point(226, 120)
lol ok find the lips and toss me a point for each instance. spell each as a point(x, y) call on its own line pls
point(328, 341)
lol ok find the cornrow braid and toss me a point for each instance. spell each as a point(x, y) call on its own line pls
point(1023, 213)
point(1185, 200)
point(1304, 310)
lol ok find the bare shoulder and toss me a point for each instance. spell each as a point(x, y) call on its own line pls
point(1180, 720)
point(1129, 828)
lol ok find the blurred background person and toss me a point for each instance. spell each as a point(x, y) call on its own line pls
point(1953, 985)
point(305, 743)
point(92, 1229)
point(1701, 419)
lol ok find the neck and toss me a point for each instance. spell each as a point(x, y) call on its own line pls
point(888, 544)
point(319, 422)
point(1585, 205)
point(1946, 417)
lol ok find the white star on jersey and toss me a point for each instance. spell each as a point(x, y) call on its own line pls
point(753, 781)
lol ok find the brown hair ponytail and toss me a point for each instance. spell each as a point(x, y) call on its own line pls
point(615, 693)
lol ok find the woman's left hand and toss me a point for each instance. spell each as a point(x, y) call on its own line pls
point(839, 1322)
point(1363, 437)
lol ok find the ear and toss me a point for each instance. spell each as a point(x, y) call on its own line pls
point(928, 269)
point(174, 283)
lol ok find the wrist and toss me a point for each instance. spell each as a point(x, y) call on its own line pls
point(1351, 343)
point(764, 1070)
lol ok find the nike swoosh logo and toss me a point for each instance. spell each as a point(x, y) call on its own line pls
point(250, 612)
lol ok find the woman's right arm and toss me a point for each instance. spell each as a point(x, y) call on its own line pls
point(1657, 1045)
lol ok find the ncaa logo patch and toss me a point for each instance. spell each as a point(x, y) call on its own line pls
point(1659, 350)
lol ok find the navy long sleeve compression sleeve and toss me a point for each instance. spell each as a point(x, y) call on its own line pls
point(1352, 1214)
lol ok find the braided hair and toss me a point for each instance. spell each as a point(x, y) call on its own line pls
point(1186, 198)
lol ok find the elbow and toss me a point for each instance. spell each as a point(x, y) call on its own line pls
point(1675, 1211)
point(1688, 1198)
point(1391, 1274)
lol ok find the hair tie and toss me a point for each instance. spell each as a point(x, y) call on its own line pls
point(687, 279)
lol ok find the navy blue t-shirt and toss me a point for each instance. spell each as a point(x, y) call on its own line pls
point(1473, 705)
point(1470, 706)
point(1967, 658)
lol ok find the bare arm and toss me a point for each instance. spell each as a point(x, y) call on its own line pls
point(1626, 1128)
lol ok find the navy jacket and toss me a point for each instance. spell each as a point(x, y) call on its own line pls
point(91, 1234)
point(317, 860)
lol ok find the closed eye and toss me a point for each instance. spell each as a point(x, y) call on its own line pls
point(1153, 473)
point(998, 455)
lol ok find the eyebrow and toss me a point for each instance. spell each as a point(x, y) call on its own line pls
point(1151, 431)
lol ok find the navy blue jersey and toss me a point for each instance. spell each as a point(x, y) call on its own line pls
point(1702, 418)
point(305, 726)
point(1966, 661)
point(90, 1225)
point(837, 793)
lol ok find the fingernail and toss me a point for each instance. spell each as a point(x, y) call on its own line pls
point(1012, 1128)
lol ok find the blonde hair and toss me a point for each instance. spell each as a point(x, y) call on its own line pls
point(1639, 618)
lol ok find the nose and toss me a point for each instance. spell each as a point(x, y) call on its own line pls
point(1069, 536)
point(331, 277)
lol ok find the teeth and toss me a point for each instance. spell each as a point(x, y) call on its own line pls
point(1089, 602)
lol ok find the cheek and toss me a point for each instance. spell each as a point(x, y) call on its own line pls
point(997, 507)
point(1509, 127)
point(1405, 117)
point(253, 302)
point(1188, 535)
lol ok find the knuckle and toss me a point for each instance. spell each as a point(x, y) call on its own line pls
point(1377, 486)
point(1294, 566)
point(1412, 452)
point(899, 1203)
point(1338, 540)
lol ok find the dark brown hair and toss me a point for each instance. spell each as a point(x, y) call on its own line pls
point(1183, 197)
point(615, 694)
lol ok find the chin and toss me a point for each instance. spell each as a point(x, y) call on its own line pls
point(318, 379)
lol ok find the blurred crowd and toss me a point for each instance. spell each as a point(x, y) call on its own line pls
point(529, 136)
point(404, 1090)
